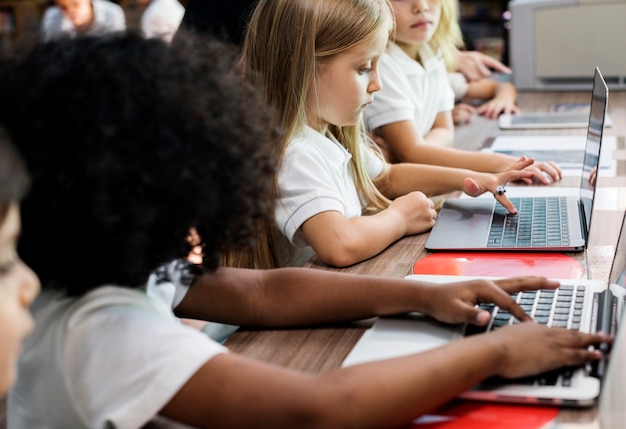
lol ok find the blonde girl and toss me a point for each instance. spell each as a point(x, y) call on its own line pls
point(317, 61)
point(411, 115)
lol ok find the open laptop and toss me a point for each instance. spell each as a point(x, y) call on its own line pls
point(543, 223)
point(586, 305)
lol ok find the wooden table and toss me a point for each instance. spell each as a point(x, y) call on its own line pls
point(320, 349)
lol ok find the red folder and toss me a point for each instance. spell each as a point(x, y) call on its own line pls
point(461, 414)
point(496, 264)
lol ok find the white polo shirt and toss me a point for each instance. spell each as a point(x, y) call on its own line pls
point(315, 177)
point(112, 358)
point(411, 91)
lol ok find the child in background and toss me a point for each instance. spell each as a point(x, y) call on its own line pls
point(411, 115)
point(70, 18)
point(497, 96)
point(319, 83)
point(150, 153)
point(18, 284)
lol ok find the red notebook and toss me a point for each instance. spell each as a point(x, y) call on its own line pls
point(551, 265)
point(474, 415)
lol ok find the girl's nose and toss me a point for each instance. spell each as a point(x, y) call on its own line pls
point(375, 83)
point(420, 6)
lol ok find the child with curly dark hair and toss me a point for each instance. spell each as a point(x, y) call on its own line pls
point(131, 144)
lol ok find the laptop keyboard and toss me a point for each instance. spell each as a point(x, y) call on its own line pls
point(539, 222)
point(557, 308)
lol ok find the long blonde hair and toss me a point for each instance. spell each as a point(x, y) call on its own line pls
point(285, 44)
point(448, 38)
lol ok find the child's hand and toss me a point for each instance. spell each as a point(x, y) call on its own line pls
point(531, 348)
point(479, 183)
point(544, 172)
point(497, 105)
point(455, 302)
point(417, 210)
point(462, 113)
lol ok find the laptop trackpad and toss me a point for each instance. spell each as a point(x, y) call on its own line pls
point(394, 337)
point(462, 223)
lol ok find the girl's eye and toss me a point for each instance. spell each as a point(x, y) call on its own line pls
point(365, 70)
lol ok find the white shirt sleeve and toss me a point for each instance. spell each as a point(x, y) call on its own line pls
point(307, 187)
point(124, 362)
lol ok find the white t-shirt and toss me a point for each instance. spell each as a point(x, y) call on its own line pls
point(108, 18)
point(411, 91)
point(162, 19)
point(315, 177)
point(109, 359)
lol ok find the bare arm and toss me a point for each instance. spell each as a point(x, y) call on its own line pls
point(475, 65)
point(442, 131)
point(236, 392)
point(436, 180)
point(405, 144)
point(341, 241)
point(502, 102)
point(303, 296)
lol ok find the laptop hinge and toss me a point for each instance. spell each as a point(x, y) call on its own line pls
point(583, 221)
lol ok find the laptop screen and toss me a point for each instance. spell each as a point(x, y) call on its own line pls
point(597, 114)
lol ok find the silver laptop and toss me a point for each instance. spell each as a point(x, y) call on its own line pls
point(586, 305)
point(543, 223)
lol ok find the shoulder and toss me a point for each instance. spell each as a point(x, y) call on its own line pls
point(108, 344)
point(312, 145)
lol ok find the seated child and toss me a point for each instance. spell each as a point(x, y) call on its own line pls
point(69, 18)
point(18, 284)
point(153, 141)
point(338, 197)
point(411, 116)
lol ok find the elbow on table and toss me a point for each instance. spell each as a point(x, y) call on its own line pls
point(340, 255)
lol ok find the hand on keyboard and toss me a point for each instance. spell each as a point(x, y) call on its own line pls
point(531, 348)
point(456, 302)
